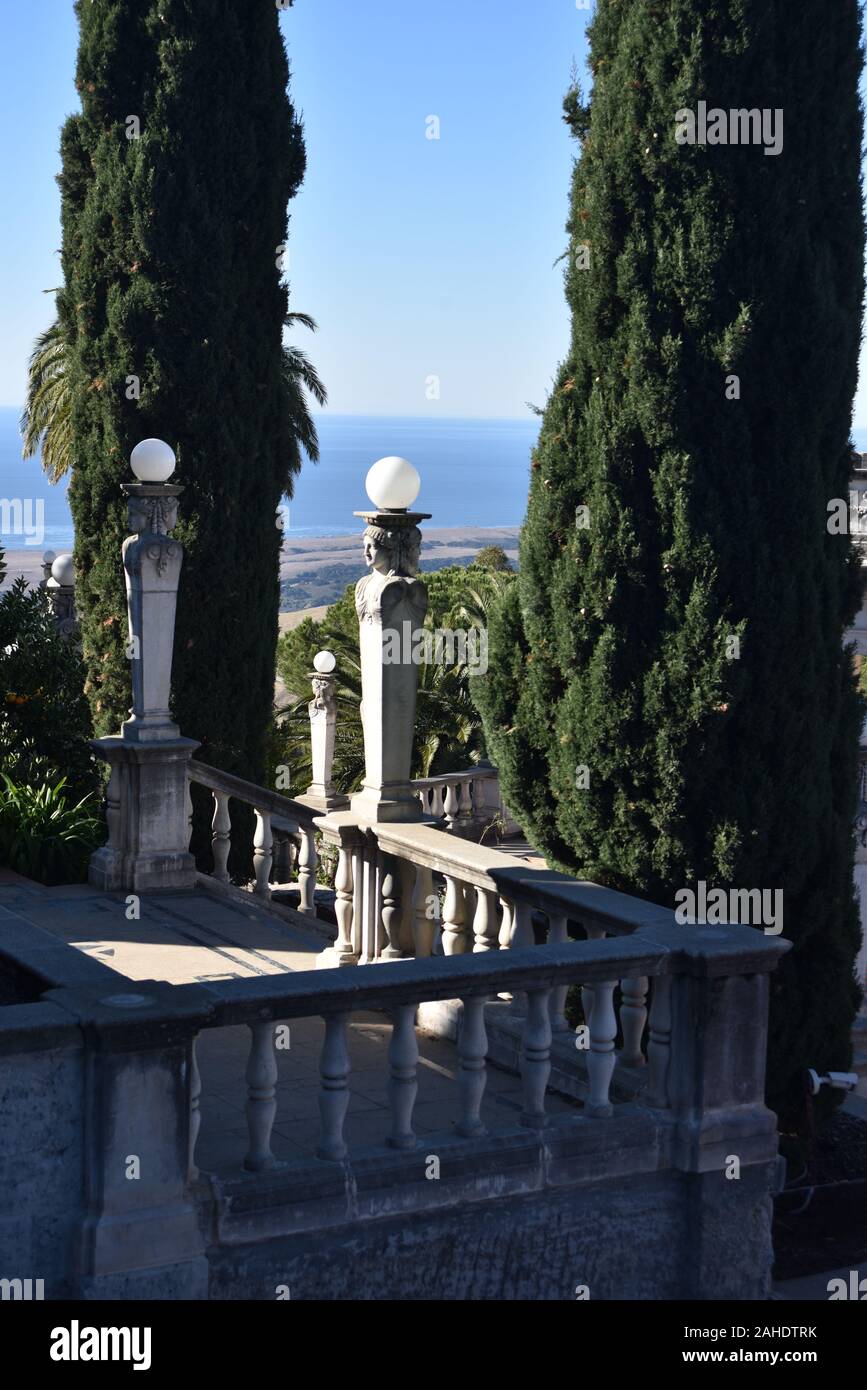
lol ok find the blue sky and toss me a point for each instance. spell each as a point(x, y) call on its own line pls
point(418, 257)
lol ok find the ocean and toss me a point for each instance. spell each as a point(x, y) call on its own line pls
point(474, 473)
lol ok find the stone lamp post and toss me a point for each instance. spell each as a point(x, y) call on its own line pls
point(147, 806)
point(59, 584)
point(391, 603)
point(322, 709)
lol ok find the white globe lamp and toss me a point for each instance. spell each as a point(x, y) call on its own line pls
point(152, 461)
point(392, 484)
point(324, 663)
point(63, 570)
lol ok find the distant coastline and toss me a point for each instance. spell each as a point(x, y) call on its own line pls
point(315, 570)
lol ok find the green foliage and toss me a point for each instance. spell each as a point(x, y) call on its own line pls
point(171, 243)
point(46, 423)
point(492, 557)
point(689, 265)
point(44, 716)
point(45, 833)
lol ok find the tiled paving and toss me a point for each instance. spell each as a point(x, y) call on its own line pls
point(182, 938)
point(223, 1055)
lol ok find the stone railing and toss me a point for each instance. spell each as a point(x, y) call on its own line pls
point(115, 1061)
point(705, 1049)
point(388, 905)
point(464, 802)
point(283, 841)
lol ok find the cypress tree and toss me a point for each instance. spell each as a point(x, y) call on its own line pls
point(175, 181)
point(669, 700)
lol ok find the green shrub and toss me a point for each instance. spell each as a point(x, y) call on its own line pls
point(44, 716)
point(45, 833)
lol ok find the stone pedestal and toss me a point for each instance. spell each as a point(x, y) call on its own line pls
point(148, 808)
point(139, 1237)
point(148, 816)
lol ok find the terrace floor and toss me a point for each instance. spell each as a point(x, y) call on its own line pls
point(199, 936)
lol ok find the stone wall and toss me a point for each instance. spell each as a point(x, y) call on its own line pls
point(41, 1145)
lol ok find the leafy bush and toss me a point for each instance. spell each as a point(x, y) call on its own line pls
point(44, 716)
point(45, 833)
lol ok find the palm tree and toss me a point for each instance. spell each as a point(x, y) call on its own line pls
point(46, 421)
point(300, 374)
point(47, 417)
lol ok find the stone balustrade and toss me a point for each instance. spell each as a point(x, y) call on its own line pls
point(705, 1049)
point(284, 837)
point(590, 1194)
point(465, 801)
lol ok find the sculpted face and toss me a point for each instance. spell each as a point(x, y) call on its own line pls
point(376, 557)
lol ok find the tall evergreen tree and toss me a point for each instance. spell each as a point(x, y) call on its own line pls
point(175, 181)
point(669, 698)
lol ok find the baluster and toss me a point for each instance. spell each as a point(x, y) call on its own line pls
point(507, 927)
point(261, 1101)
point(522, 935)
point(436, 793)
point(422, 796)
point(333, 1090)
point(485, 924)
point(221, 837)
point(406, 918)
point(454, 921)
point(633, 1016)
point(402, 1085)
point(262, 843)
point(593, 934)
point(195, 1112)
point(391, 910)
point(426, 913)
point(659, 1042)
point(557, 934)
point(465, 801)
point(601, 1058)
point(343, 908)
point(472, 1051)
point(307, 861)
point(450, 805)
point(536, 1057)
point(358, 900)
point(371, 926)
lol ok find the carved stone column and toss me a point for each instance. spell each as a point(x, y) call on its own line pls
point(322, 794)
point(149, 829)
point(391, 604)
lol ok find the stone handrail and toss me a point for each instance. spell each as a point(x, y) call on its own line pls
point(472, 795)
point(716, 979)
point(126, 1058)
point(280, 819)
